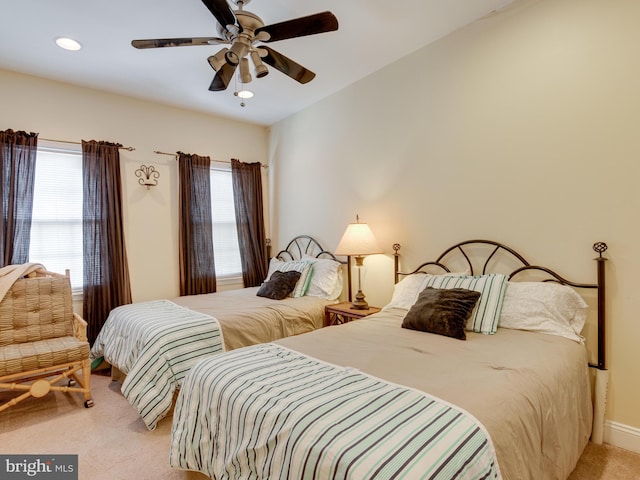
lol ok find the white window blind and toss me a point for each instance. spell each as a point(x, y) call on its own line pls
point(225, 233)
point(56, 229)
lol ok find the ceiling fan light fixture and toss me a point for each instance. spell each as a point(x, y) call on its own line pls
point(68, 43)
point(218, 60)
point(245, 75)
point(232, 58)
point(237, 51)
point(245, 94)
point(261, 69)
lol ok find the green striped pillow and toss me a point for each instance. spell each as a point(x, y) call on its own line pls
point(491, 287)
point(303, 267)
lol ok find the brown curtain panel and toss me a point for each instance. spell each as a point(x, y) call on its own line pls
point(106, 273)
point(247, 197)
point(197, 266)
point(18, 171)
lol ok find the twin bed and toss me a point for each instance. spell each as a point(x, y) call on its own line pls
point(152, 345)
point(500, 389)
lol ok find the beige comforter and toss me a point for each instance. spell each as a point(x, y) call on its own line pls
point(530, 390)
point(246, 319)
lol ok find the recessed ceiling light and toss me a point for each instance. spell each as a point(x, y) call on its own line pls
point(68, 43)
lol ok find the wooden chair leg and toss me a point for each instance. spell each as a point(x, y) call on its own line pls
point(39, 383)
point(86, 374)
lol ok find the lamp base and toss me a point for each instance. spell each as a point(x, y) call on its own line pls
point(359, 303)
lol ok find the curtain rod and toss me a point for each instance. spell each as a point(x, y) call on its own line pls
point(175, 155)
point(80, 143)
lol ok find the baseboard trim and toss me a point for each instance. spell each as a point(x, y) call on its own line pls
point(622, 436)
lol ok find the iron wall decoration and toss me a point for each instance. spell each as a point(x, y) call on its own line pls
point(147, 176)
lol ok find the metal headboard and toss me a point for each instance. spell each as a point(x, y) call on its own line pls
point(306, 245)
point(493, 251)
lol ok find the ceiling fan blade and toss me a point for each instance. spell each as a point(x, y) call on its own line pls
point(300, 27)
point(222, 78)
point(177, 42)
point(221, 10)
point(287, 66)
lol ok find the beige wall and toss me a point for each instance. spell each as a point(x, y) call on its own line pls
point(522, 128)
point(65, 112)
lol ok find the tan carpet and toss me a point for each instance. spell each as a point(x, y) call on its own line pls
point(112, 442)
point(110, 439)
point(606, 462)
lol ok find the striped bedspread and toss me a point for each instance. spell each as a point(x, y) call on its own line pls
point(269, 412)
point(155, 344)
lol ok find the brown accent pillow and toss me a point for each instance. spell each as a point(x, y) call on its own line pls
point(442, 311)
point(280, 285)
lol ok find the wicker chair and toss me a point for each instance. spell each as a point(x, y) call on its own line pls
point(42, 341)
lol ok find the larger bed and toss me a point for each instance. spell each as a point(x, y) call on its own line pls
point(153, 344)
point(370, 399)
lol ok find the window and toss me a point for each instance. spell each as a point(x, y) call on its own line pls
point(56, 229)
point(225, 233)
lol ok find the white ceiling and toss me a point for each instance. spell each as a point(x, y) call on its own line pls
point(372, 34)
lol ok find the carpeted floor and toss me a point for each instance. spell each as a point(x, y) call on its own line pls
point(605, 462)
point(110, 439)
point(112, 442)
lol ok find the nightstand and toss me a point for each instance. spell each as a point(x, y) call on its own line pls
point(343, 313)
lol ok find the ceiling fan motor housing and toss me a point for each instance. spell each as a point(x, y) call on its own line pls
point(242, 40)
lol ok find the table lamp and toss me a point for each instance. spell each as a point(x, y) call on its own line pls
point(358, 241)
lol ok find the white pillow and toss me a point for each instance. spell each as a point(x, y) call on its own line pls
point(406, 291)
point(326, 280)
point(298, 266)
point(547, 307)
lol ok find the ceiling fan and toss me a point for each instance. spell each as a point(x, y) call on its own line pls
point(244, 32)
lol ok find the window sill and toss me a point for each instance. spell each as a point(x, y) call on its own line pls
point(230, 281)
point(77, 294)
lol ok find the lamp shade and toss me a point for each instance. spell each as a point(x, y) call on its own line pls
point(358, 240)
